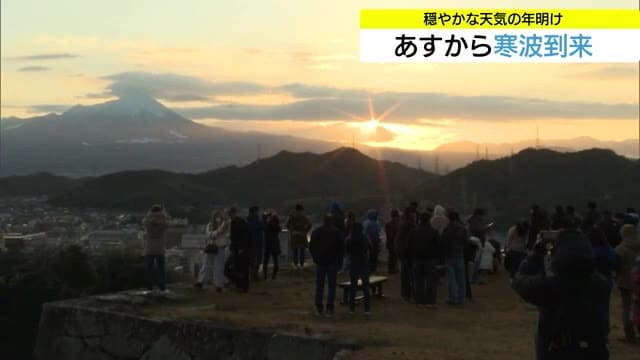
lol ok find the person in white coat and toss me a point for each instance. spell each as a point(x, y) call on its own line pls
point(486, 257)
point(215, 252)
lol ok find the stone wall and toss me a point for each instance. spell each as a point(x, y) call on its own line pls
point(88, 329)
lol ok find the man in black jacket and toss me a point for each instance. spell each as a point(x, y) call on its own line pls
point(569, 294)
point(327, 248)
point(425, 250)
point(402, 249)
point(240, 247)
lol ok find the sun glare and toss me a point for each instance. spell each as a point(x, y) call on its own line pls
point(370, 126)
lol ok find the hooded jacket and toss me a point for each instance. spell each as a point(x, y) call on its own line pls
point(155, 223)
point(439, 220)
point(626, 253)
point(571, 323)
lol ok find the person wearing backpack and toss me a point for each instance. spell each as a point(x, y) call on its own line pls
point(570, 295)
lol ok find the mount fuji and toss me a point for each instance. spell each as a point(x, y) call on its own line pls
point(130, 133)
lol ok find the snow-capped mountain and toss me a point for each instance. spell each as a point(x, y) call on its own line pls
point(133, 132)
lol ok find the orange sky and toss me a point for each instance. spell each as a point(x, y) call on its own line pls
point(267, 63)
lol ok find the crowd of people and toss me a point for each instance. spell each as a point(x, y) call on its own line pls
point(565, 265)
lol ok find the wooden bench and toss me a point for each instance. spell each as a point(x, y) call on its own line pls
point(375, 286)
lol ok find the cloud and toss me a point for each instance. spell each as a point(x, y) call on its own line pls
point(310, 91)
point(322, 62)
point(412, 106)
point(606, 72)
point(617, 71)
point(34, 68)
point(47, 108)
point(313, 103)
point(52, 56)
point(173, 87)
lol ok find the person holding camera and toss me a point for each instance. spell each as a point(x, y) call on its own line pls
point(155, 224)
point(214, 252)
point(560, 278)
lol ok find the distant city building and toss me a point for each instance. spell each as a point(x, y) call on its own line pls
point(113, 239)
point(20, 242)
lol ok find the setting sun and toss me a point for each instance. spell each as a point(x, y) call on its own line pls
point(370, 126)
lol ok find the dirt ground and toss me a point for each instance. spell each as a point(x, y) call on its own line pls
point(497, 325)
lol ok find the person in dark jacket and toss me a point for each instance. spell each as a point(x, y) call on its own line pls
point(357, 249)
point(425, 250)
point(348, 224)
point(569, 294)
point(271, 244)
point(327, 247)
point(454, 241)
point(402, 248)
point(611, 227)
point(240, 247)
point(539, 221)
point(591, 217)
point(338, 218)
point(391, 230)
point(559, 219)
point(604, 261)
point(477, 225)
point(256, 230)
